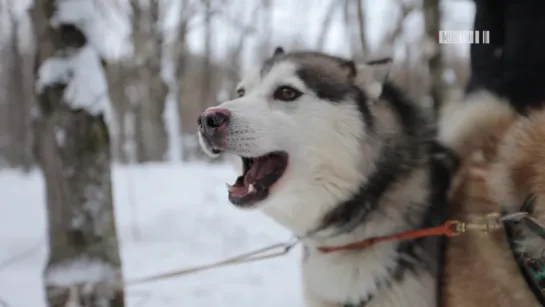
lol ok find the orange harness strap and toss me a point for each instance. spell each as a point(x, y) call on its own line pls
point(443, 230)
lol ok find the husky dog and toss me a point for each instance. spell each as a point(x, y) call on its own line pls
point(337, 154)
point(501, 156)
point(513, 147)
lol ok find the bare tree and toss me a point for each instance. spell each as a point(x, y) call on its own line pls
point(410, 72)
point(117, 74)
point(388, 42)
point(180, 57)
point(207, 98)
point(361, 27)
point(432, 17)
point(266, 18)
point(353, 13)
point(21, 93)
point(5, 80)
point(73, 150)
point(326, 24)
point(16, 76)
point(236, 51)
point(148, 87)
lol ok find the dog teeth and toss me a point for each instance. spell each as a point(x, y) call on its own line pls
point(228, 186)
point(251, 188)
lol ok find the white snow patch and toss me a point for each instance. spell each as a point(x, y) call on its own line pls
point(80, 271)
point(105, 24)
point(82, 72)
point(182, 222)
point(60, 137)
point(172, 123)
point(55, 70)
point(449, 76)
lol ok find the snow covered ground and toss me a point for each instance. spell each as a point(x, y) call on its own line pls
point(183, 218)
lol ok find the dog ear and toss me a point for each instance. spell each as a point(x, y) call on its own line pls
point(278, 51)
point(372, 75)
point(349, 68)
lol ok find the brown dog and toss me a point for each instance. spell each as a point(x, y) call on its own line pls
point(502, 163)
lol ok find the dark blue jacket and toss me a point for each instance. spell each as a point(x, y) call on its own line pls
point(513, 64)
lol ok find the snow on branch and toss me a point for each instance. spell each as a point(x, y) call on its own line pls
point(81, 271)
point(104, 23)
point(82, 72)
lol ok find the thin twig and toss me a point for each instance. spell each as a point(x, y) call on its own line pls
point(361, 24)
point(21, 255)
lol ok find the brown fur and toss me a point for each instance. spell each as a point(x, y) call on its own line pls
point(505, 165)
point(480, 269)
point(519, 170)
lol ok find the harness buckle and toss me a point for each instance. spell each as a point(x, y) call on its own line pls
point(489, 222)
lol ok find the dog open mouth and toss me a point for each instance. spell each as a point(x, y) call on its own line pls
point(258, 175)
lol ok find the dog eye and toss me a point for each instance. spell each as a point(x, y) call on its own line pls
point(286, 93)
point(240, 92)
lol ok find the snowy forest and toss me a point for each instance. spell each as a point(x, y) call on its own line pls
point(101, 177)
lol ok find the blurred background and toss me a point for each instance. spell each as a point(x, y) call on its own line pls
point(160, 63)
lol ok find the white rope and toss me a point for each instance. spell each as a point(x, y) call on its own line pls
point(268, 252)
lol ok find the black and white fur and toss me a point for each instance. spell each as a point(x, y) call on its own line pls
point(360, 166)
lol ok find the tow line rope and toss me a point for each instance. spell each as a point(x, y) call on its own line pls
point(450, 228)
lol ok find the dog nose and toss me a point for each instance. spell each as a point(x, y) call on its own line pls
point(212, 119)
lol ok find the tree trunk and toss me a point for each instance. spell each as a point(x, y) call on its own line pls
point(266, 19)
point(121, 108)
point(181, 55)
point(73, 150)
point(354, 15)
point(326, 24)
point(22, 99)
point(207, 98)
point(432, 17)
point(150, 131)
point(361, 27)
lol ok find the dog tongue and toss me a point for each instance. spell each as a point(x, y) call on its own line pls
point(257, 176)
point(238, 190)
point(259, 169)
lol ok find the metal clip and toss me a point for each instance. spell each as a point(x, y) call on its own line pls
point(514, 217)
point(489, 222)
point(457, 228)
point(291, 243)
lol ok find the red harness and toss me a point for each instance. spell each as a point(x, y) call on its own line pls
point(449, 229)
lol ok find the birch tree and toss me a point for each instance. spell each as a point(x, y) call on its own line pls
point(73, 150)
